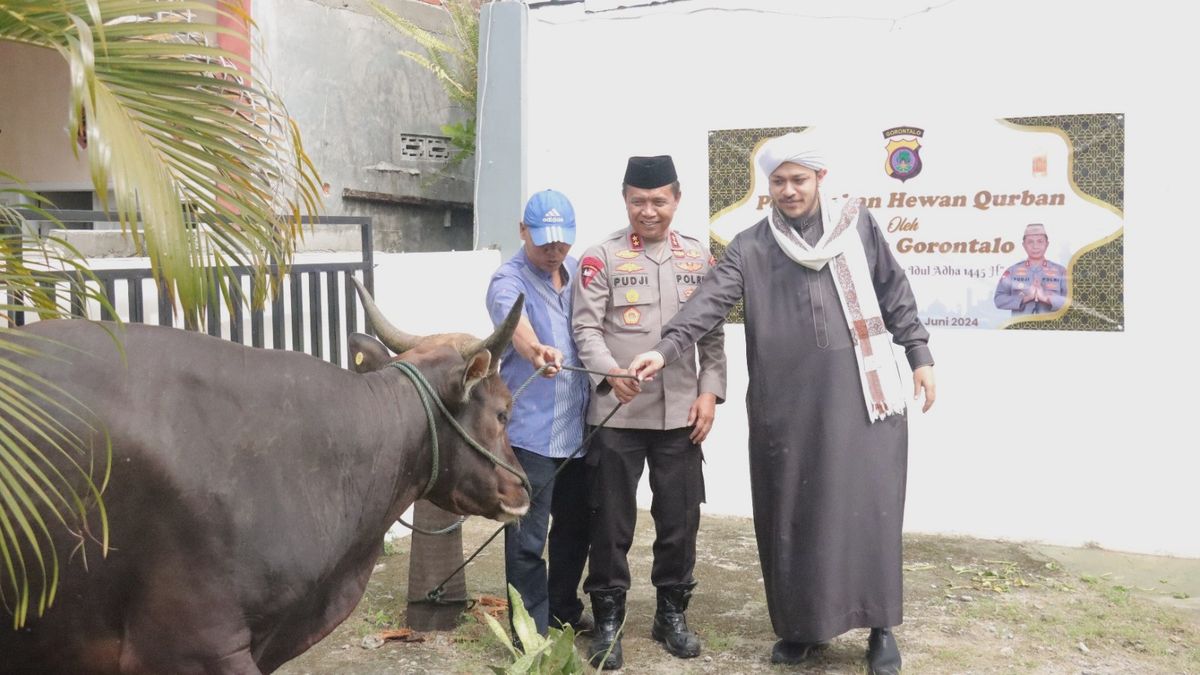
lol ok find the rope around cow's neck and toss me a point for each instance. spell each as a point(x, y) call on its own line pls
point(428, 399)
point(435, 596)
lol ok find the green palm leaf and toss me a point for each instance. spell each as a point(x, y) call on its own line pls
point(201, 158)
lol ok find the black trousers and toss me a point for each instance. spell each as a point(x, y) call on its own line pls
point(617, 457)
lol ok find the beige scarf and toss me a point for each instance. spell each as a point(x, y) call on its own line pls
point(842, 249)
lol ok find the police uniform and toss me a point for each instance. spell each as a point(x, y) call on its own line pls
point(624, 295)
point(1017, 280)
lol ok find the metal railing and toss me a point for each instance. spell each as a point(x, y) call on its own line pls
point(315, 309)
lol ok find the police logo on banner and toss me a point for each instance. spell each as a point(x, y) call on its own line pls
point(903, 152)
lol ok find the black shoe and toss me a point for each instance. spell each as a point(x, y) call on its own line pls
point(670, 622)
point(609, 609)
point(583, 624)
point(794, 653)
point(883, 655)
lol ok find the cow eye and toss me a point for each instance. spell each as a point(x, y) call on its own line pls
point(503, 417)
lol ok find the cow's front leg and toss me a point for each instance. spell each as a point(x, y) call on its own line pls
point(180, 621)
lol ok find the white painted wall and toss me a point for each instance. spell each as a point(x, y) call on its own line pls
point(1060, 437)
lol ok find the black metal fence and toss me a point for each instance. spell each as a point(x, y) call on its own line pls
point(315, 309)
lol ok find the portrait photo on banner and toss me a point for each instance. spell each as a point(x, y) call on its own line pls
point(1012, 223)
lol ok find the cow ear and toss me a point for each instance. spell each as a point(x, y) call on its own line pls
point(476, 370)
point(367, 354)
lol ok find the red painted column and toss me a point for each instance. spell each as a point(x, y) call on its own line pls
point(238, 44)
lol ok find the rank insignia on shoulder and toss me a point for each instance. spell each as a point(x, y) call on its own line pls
point(675, 240)
point(627, 254)
point(635, 242)
point(588, 269)
point(632, 296)
point(689, 266)
point(629, 267)
point(631, 316)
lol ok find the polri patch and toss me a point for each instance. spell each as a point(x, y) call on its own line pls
point(589, 268)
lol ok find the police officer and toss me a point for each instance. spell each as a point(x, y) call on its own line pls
point(1035, 285)
point(627, 288)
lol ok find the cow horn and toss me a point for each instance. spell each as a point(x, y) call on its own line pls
point(396, 339)
point(498, 341)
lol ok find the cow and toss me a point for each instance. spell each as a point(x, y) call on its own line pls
point(250, 489)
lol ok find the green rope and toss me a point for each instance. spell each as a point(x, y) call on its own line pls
point(427, 393)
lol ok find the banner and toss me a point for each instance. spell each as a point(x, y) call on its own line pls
point(1011, 223)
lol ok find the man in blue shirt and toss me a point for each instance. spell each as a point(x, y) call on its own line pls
point(546, 425)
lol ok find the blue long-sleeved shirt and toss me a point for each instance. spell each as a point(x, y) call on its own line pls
point(548, 416)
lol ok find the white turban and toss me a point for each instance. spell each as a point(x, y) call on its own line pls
point(797, 147)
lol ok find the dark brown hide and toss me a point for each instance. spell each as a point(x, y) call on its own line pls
point(249, 494)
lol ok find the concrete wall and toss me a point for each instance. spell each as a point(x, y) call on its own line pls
point(1110, 456)
point(34, 100)
point(338, 68)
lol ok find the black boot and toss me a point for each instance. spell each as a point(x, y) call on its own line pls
point(883, 655)
point(608, 607)
point(670, 624)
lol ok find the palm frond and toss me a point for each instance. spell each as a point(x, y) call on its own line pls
point(202, 159)
point(453, 61)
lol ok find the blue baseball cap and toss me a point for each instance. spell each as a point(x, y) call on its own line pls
point(550, 218)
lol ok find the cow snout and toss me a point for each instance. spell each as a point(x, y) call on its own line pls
point(514, 498)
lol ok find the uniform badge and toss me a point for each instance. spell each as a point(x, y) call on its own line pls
point(687, 292)
point(632, 296)
point(1021, 271)
point(693, 253)
point(678, 252)
point(689, 266)
point(629, 267)
point(588, 269)
point(635, 241)
point(1020, 285)
point(903, 152)
point(627, 254)
point(631, 316)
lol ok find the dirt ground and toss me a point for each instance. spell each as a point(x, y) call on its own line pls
point(971, 606)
